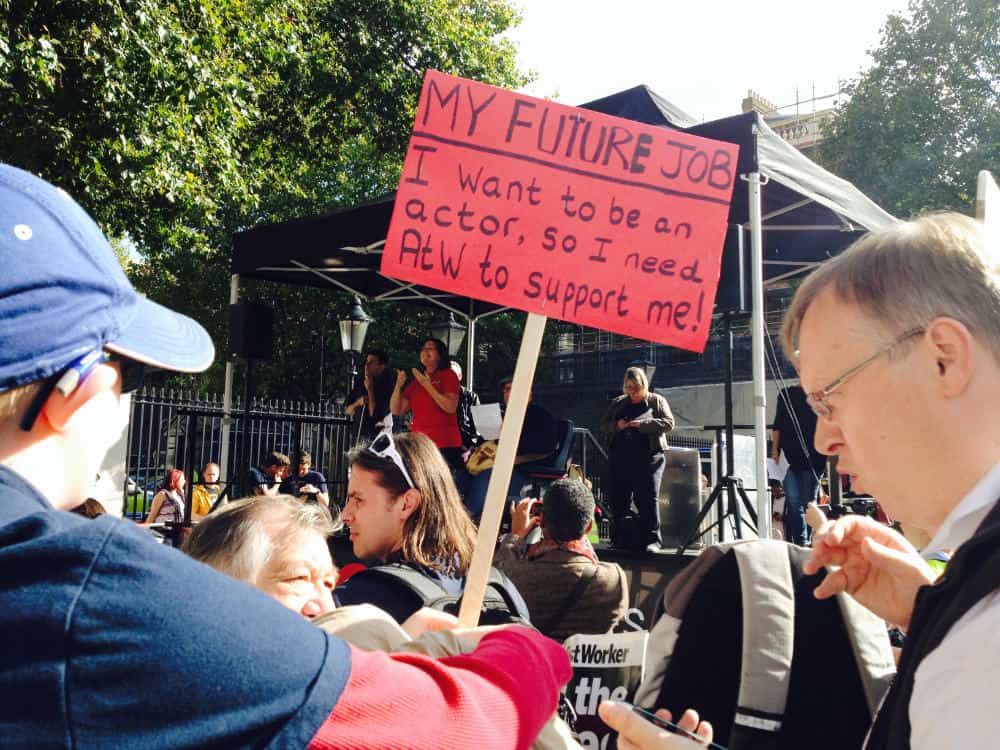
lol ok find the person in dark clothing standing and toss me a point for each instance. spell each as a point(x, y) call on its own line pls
point(467, 398)
point(794, 432)
point(638, 421)
point(368, 403)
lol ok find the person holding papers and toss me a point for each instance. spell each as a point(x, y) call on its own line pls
point(539, 440)
point(638, 421)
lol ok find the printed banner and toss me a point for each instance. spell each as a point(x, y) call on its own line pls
point(562, 211)
point(605, 667)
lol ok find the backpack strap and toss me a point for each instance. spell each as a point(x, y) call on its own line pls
point(869, 639)
point(768, 638)
point(574, 595)
point(420, 585)
point(502, 586)
point(431, 593)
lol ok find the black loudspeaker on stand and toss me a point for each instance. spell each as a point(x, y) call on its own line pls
point(728, 495)
point(251, 331)
point(251, 337)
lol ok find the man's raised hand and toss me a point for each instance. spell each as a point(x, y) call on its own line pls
point(521, 520)
point(871, 562)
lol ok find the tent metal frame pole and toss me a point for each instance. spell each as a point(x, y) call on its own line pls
point(470, 351)
point(754, 184)
point(227, 394)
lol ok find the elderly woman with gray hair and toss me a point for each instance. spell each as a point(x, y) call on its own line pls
point(279, 545)
point(638, 421)
point(276, 543)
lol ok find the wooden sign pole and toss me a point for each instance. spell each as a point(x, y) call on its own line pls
point(503, 466)
point(630, 242)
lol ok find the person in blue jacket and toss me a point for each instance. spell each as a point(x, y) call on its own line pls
point(109, 640)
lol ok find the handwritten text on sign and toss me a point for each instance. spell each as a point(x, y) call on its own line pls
point(560, 211)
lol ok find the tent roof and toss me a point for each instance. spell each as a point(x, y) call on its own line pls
point(340, 250)
point(808, 215)
point(642, 104)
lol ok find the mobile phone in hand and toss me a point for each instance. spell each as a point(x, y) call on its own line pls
point(670, 726)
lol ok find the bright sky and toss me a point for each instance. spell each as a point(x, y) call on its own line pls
point(702, 55)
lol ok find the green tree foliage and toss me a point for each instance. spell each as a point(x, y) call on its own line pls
point(177, 122)
point(925, 118)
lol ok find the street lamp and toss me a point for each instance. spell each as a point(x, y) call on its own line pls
point(353, 330)
point(450, 331)
point(646, 366)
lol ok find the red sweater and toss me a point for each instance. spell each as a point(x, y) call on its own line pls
point(497, 697)
point(428, 417)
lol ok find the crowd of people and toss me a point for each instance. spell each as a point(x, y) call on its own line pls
point(255, 638)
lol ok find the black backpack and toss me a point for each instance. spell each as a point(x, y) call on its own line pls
point(744, 642)
point(499, 605)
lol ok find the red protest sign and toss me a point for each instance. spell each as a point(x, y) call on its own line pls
point(561, 211)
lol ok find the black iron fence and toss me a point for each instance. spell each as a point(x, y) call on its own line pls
point(179, 429)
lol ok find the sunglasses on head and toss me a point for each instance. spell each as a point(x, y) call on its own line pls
point(383, 446)
point(72, 376)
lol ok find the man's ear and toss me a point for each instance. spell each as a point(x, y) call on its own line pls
point(953, 348)
point(590, 527)
point(59, 410)
point(410, 501)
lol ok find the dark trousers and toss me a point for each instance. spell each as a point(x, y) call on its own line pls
point(636, 479)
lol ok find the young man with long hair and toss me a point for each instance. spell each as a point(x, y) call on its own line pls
point(403, 507)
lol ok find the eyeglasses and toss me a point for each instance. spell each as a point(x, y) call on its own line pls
point(72, 376)
point(383, 446)
point(817, 400)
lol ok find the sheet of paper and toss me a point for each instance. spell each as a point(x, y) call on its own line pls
point(777, 469)
point(487, 420)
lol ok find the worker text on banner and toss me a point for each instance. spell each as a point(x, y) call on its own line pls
point(605, 667)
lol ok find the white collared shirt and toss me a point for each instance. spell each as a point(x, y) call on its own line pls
point(953, 702)
point(964, 519)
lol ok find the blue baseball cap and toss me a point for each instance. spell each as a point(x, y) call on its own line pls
point(63, 292)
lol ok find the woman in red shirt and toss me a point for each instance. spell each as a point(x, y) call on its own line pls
point(432, 396)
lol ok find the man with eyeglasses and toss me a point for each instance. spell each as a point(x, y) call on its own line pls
point(897, 344)
point(101, 629)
